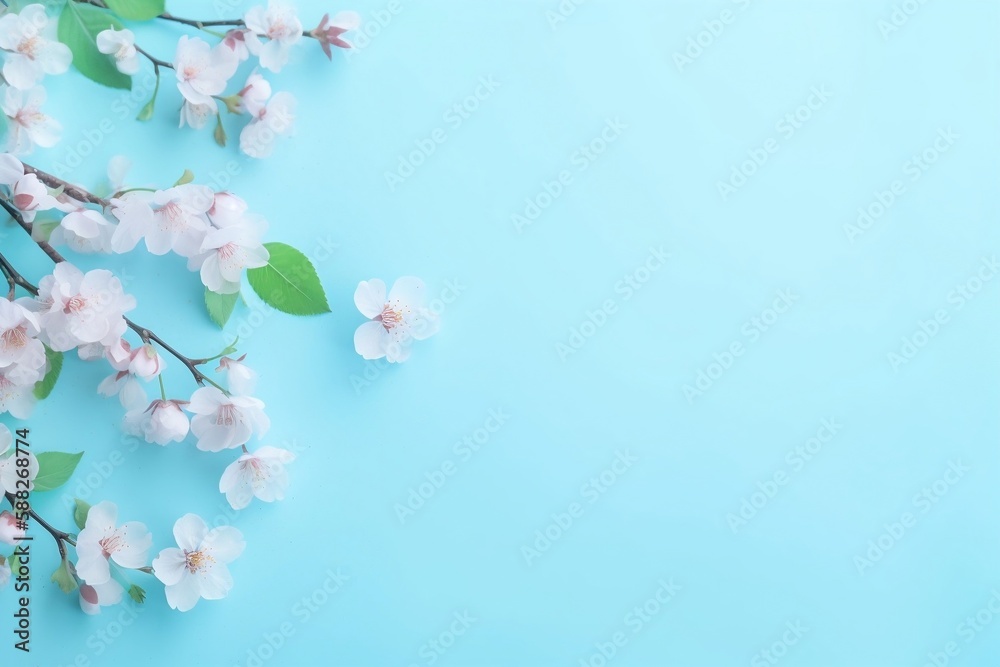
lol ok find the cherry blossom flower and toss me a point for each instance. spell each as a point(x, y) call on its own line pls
point(179, 221)
point(123, 383)
point(273, 120)
point(27, 192)
point(83, 229)
point(9, 532)
point(240, 378)
point(197, 115)
point(329, 32)
point(121, 45)
point(102, 541)
point(253, 98)
point(198, 568)
point(230, 250)
point(22, 355)
point(396, 321)
point(78, 308)
point(236, 41)
point(19, 400)
point(27, 124)
point(227, 209)
point(95, 596)
point(201, 70)
point(161, 422)
point(31, 53)
point(9, 468)
point(261, 474)
point(282, 28)
point(223, 422)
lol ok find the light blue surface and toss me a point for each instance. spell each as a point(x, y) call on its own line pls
point(364, 447)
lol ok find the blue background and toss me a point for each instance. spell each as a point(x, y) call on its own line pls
point(365, 441)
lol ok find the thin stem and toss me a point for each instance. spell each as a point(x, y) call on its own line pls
point(11, 282)
point(163, 390)
point(58, 535)
point(68, 188)
point(157, 63)
point(201, 25)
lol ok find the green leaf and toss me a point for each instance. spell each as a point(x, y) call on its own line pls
point(64, 577)
point(220, 306)
point(136, 10)
point(136, 593)
point(47, 383)
point(289, 282)
point(80, 511)
point(186, 177)
point(146, 112)
point(54, 469)
point(220, 132)
point(79, 26)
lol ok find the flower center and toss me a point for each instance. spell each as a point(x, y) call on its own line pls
point(111, 544)
point(197, 561)
point(28, 46)
point(75, 305)
point(390, 318)
point(189, 72)
point(227, 415)
point(15, 338)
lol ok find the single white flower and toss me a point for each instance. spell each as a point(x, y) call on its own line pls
point(83, 229)
point(197, 569)
point(10, 471)
point(261, 474)
point(282, 28)
point(22, 355)
point(123, 383)
point(223, 422)
point(78, 308)
point(227, 209)
point(161, 422)
point(227, 252)
point(396, 321)
point(240, 378)
point(27, 124)
point(273, 120)
point(146, 362)
point(121, 45)
point(9, 531)
point(255, 93)
point(31, 53)
point(102, 541)
point(30, 196)
point(197, 115)
point(93, 597)
point(179, 221)
point(201, 70)
point(19, 400)
point(236, 41)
